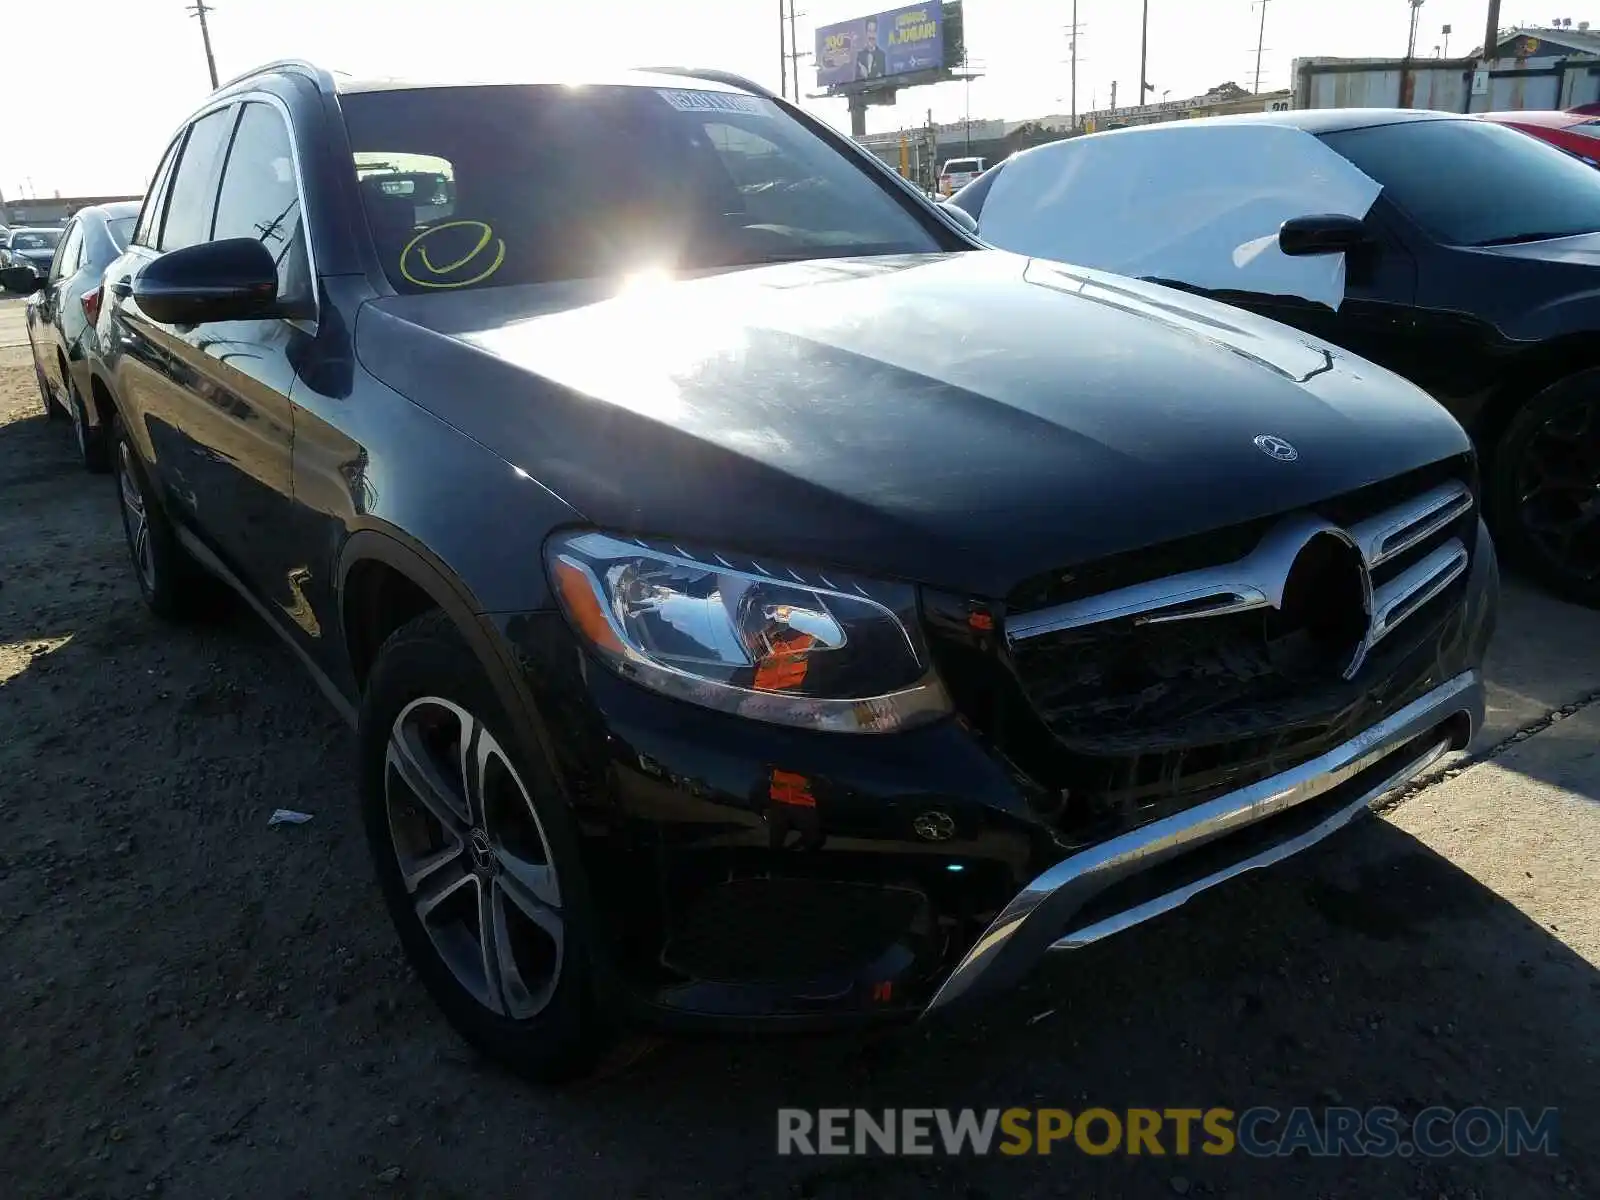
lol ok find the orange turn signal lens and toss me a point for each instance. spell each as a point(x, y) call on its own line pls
point(583, 606)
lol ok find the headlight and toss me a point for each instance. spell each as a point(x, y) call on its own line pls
point(757, 639)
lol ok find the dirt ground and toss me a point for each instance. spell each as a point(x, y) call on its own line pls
point(198, 1005)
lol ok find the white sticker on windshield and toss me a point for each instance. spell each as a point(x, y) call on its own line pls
point(686, 101)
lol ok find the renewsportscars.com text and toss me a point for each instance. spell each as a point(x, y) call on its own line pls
point(1478, 1132)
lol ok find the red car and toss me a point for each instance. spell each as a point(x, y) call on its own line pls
point(1578, 133)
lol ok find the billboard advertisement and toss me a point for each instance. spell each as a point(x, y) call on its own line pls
point(896, 42)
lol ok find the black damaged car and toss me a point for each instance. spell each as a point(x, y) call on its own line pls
point(758, 604)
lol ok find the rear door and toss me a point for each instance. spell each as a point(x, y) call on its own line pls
point(50, 341)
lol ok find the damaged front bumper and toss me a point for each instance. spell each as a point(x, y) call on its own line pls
point(1150, 870)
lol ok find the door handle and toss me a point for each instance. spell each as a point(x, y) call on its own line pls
point(122, 287)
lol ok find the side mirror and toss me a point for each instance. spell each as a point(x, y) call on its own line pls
point(19, 279)
point(231, 280)
point(960, 216)
point(1326, 233)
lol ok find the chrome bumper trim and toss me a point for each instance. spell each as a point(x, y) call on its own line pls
point(1034, 920)
point(1179, 896)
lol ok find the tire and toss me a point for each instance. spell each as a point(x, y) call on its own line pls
point(51, 409)
point(526, 996)
point(1544, 488)
point(90, 439)
point(174, 586)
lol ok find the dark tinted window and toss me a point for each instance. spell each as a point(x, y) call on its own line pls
point(121, 229)
point(260, 198)
point(36, 239)
point(145, 233)
point(536, 183)
point(1471, 183)
point(194, 187)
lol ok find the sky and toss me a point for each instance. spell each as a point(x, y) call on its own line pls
point(100, 115)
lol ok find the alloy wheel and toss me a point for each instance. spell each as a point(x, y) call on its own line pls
point(75, 411)
point(44, 391)
point(1558, 489)
point(473, 857)
point(135, 520)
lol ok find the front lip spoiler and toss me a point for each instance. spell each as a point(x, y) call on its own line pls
point(1040, 917)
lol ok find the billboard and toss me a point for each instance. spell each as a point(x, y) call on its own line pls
point(896, 42)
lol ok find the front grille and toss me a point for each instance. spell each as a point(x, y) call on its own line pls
point(1164, 692)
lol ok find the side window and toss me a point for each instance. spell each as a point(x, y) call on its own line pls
point(147, 232)
point(193, 198)
point(68, 252)
point(260, 197)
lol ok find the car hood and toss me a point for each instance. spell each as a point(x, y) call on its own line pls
point(963, 420)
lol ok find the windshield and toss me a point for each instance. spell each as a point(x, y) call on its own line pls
point(1472, 183)
point(496, 185)
point(121, 230)
point(35, 239)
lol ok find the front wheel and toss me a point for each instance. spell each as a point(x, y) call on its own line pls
point(476, 859)
point(1544, 488)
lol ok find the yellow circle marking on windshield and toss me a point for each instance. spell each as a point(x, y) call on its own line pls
point(416, 244)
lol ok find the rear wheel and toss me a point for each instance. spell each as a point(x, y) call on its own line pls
point(90, 439)
point(1545, 488)
point(476, 858)
point(51, 409)
point(173, 585)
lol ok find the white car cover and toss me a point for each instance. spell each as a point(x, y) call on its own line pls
point(1199, 204)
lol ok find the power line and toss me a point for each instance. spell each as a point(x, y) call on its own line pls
point(199, 9)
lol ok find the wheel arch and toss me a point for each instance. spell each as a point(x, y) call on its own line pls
point(102, 400)
point(1540, 368)
point(385, 579)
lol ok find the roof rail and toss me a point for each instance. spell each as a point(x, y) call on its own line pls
point(322, 78)
point(715, 76)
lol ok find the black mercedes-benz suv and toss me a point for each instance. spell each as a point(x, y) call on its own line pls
point(757, 602)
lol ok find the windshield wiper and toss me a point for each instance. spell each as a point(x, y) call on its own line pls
point(1517, 238)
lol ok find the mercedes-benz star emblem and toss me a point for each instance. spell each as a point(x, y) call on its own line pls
point(935, 826)
point(1276, 447)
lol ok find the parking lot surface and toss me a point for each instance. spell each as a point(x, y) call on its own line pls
point(196, 1004)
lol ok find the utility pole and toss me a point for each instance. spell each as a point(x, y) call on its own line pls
point(1072, 44)
point(783, 56)
point(1144, 43)
point(1261, 41)
point(199, 9)
point(794, 53)
point(1491, 33)
point(1113, 95)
